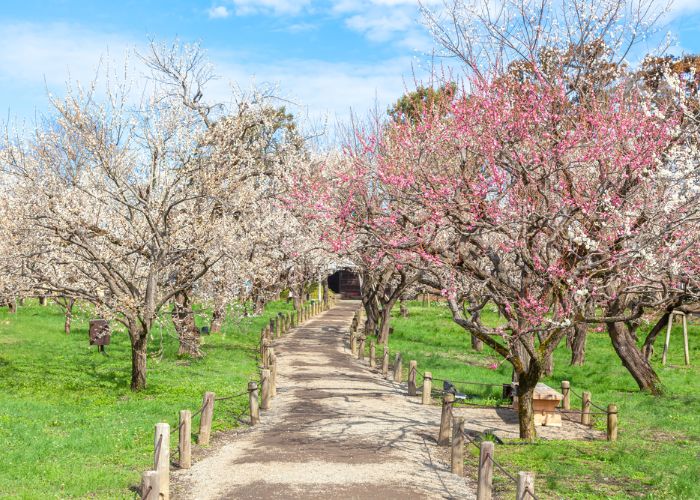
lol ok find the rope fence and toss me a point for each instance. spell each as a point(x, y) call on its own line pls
point(155, 483)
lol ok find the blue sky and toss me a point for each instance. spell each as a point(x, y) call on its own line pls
point(328, 56)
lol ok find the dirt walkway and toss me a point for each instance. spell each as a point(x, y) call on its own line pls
point(336, 430)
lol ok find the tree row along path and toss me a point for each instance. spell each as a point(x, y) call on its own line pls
point(335, 430)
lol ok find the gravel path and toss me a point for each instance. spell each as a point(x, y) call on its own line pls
point(335, 430)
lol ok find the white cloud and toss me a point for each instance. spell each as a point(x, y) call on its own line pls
point(218, 12)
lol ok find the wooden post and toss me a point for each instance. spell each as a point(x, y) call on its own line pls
point(526, 486)
point(273, 376)
point(270, 354)
point(278, 324)
point(206, 418)
point(685, 340)
point(412, 369)
point(445, 419)
point(265, 353)
point(484, 488)
point(458, 446)
point(265, 383)
point(253, 403)
point(353, 344)
point(362, 348)
point(184, 443)
point(150, 485)
point(397, 368)
point(586, 408)
point(385, 362)
point(272, 327)
point(668, 338)
point(427, 388)
point(565, 391)
point(372, 354)
point(612, 423)
point(161, 458)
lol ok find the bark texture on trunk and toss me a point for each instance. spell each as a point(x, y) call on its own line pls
point(578, 344)
point(218, 316)
point(526, 413)
point(139, 343)
point(69, 315)
point(648, 347)
point(636, 363)
point(183, 320)
point(477, 344)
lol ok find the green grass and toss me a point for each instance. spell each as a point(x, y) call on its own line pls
point(658, 452)
point(70, 426)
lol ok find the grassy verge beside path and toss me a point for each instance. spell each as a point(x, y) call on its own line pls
point(658, 452)
point(70, 426)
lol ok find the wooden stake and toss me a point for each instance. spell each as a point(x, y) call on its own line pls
point(526, 486)
point(206, 418)
point(266, 354)
point(458, 446)
point(385, 362)
point(150, 485)
point(612, 423)
point(253, 403)
point(586, 408)
point(273, 376)
point(397, 368)
point(372, 354)
point(184, 443)
point(445, 419)
point(565, 390)
point(668, 338)
point(265, 383)
point(685, 340)
point(161, 458)
point(412, 369)
point(361, 354)
point(484, 488)
point(353, 344)
point(427, 388)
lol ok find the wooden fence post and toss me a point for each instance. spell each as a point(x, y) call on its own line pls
point(150, 485)
point(161, 458)
point(270, 354)
point(206, 418)
point(427, 388)
point(361, 354)
point(273, 376)
point(586, 408)
point(397, 368)
point(385, 362)
point(484, 489)
point(265, 383)
point(253, 403)
point(353, 344)
point(445, 419)
point(612, 423)
point(278, 323)
point(372, 354)
point(526, 486)
point(412, 369)
point(184, 443)
point(458, 446)
point(265, 353)
point(565, 390)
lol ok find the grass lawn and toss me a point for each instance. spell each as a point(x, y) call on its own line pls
point(70, 426)
point(658, 452)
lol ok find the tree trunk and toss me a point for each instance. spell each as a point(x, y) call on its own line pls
point(12, 306)
point(183, 319)
point(42, 300)
point(526, 413)
point(384, 325)
point(477, 344)
point(578, 344)
point(139, 343)
point(69, 315)
point(326, 296)
point(218, 316)
point(648, 347)
point(633, 359)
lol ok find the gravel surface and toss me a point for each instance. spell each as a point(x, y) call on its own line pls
point(335, 430)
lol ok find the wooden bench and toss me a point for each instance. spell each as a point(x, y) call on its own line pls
point(544, 401)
